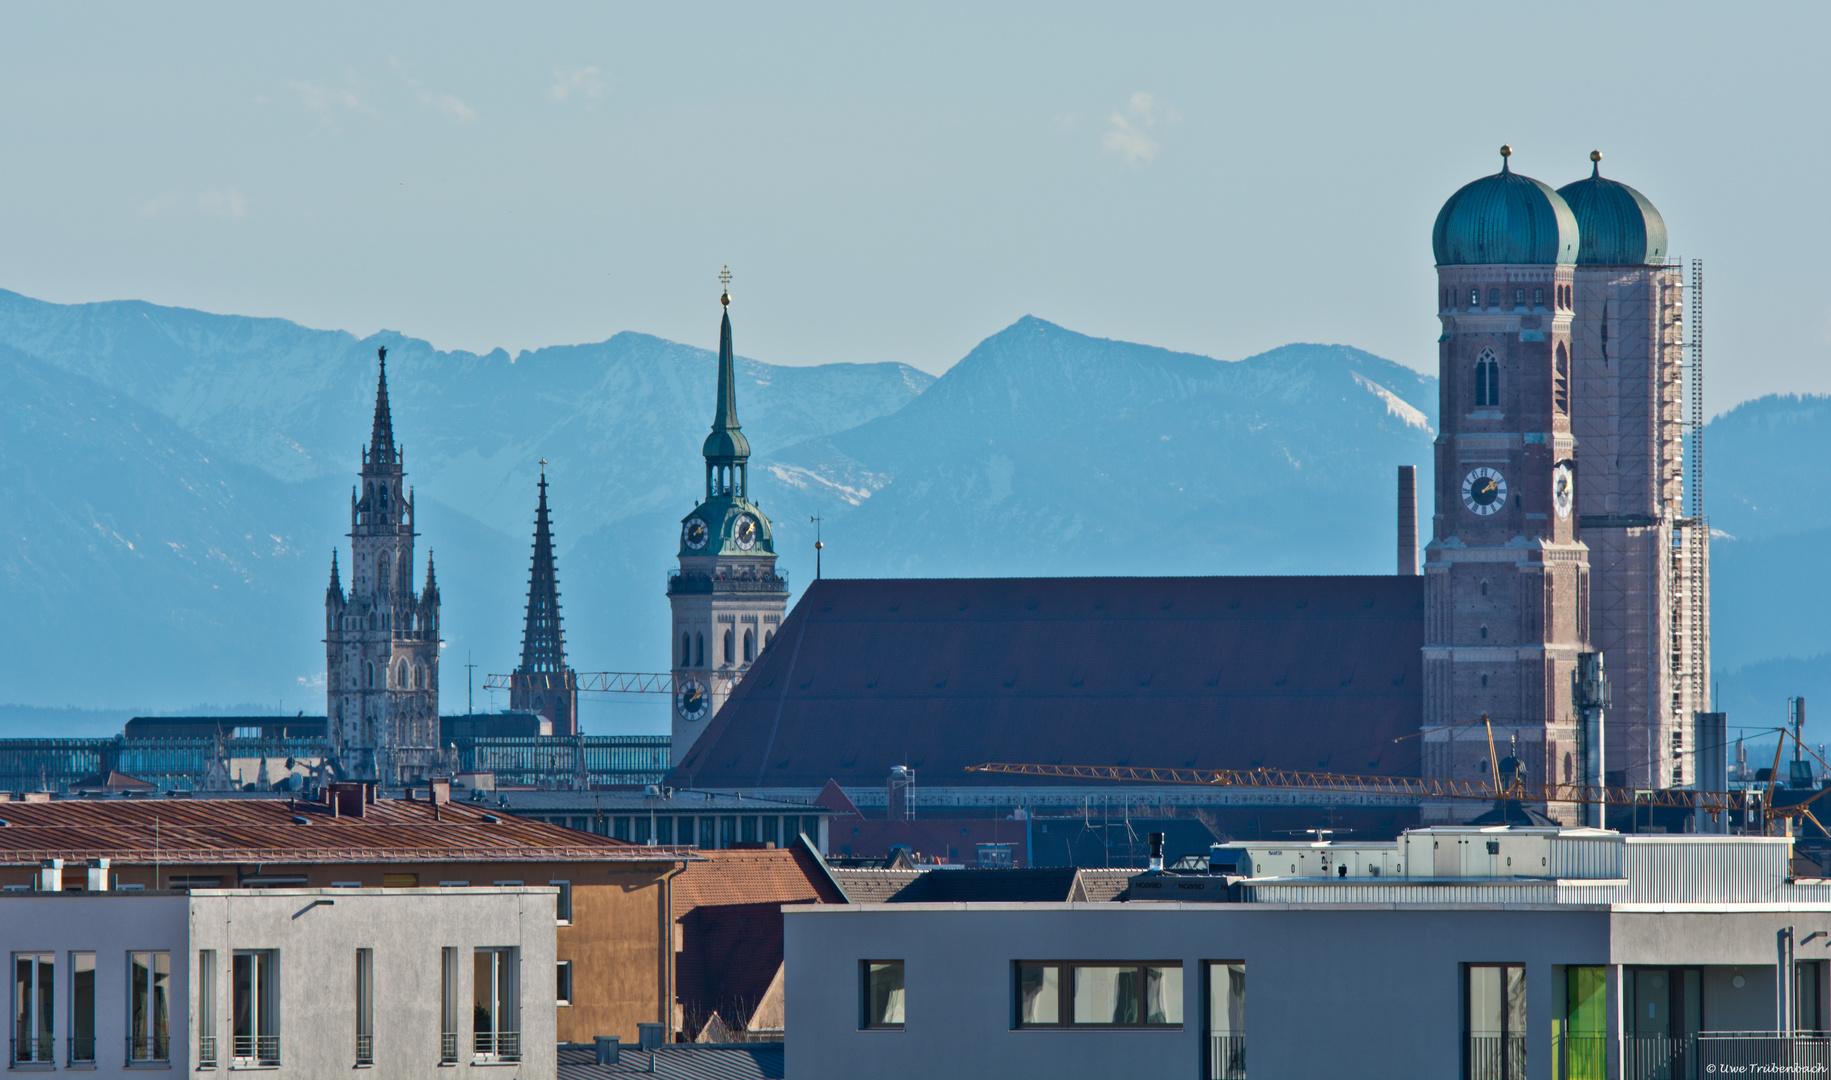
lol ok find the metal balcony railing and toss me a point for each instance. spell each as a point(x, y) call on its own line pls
point(33, 1049)
point(1494, 1057)
point(691, 582)
point(82, 1049)
point(498, 1046)
point(258, 1049)
point(1579, 1057)
point(448, 1048)
point(1226, 1057)
point(365, 1049)
point(149, 1048)
point(206, 1051)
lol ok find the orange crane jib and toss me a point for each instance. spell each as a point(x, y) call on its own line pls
point(1711, 802)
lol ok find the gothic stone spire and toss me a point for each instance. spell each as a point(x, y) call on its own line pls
point(543, 646)
point(726, 445)
point(382, 450)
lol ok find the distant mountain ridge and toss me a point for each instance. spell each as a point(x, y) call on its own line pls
point(174, 481)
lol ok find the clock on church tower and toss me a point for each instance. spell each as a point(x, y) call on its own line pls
point(727, 597)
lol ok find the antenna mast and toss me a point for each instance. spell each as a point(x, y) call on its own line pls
point(1698, 557)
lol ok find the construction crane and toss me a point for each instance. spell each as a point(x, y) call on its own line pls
point(632, 682)
point(1494, 789)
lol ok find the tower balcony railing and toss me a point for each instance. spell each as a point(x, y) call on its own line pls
point(696, 582)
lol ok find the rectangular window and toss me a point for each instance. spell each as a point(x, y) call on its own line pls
point(708, 832)
point(400, 881)
point(1226, 1020)
point(448, 1006)
point(772, 831)
point(365, 1006)
point(1494, 1022)
point(563, 910)
point(454, 884)
point(642, 830)
point(1806, 1015)
point(664, 830)
point(82, 1007)
point(727, 831)
point(883, 993)
point(748, 828)
point(255, 983)
point(686, 832)
point(620, 828)
point(562, 988)
point(149, 1006)
point(1099, 994)
point(1585, 1049)
point(495, 1013)
point(578, 823)
point(34, 992)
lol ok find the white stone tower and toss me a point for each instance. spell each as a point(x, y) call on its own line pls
point(1506, 576)
point(727, 596)
point(382, 640)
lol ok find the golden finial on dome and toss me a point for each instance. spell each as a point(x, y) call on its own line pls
point(1595, 155)
point(724, 281)
point(1505, 153)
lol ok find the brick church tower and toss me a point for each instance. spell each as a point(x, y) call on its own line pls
point(727, 597)
point(1627, 387)
point(381, 640)
point(1506, 575)
point(542, 683)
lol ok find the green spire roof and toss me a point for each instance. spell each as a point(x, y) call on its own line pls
point(726, 445)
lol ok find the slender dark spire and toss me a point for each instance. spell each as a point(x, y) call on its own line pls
point(432, 581)
point(381, 437)
point(336, 581)
point(726, 444)
point(543, 645)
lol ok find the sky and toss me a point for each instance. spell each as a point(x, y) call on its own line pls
point(894, 182)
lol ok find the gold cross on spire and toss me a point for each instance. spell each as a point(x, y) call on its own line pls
point(724, 281)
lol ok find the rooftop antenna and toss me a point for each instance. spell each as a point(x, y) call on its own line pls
point(817, 545)
point(470, 684)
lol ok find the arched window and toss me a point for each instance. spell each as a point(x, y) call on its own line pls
point(730, 647)
point(371, 667)
point(1487, 380)
point(1519, 297)
point(768, 636)
point(686, 649)
point(381, 574)
point(750, 645)
point(1484, 588)
point(1493, 297)
point(1538, 298)
point(699, 650)
point(1474, 298)
point(1560, 382)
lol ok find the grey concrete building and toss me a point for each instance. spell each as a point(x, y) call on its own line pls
point(294, 982)
point(1456, 951)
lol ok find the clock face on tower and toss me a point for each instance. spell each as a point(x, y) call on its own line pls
point(1484, 491)
point(691, 699)
point(746, 532)
point(1563, 488)
point(694, 533)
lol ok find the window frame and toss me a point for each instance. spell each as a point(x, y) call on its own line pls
point(502, 1042)
point(34, 1011)
point(74, 1056)
point(1506, 1033)
point(263, 1045)
point(865, 1020)
point(562, 906)
point(365, 1008)
point(1226, 1048)
point(160, 1034)
point(562, 982)
point(1065, 987)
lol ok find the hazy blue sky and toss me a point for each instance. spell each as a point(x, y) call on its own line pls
point(894, 183)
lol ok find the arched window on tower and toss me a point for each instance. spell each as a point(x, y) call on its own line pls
point(1493, 298)
point(1538, 298)
point(768, 637)
point(686, 649)
point(1519, 297)
point(400, 675)
point(1487, 380)
point(382, 574)
point(730, 647)
point(1474, 298)
point(1560, 382)
point(699, 650)
point(750, 645)
point(371, 666)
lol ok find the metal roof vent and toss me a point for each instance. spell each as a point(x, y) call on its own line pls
point(492, 819)
point(299, 819)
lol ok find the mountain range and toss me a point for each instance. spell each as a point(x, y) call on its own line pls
point(174, 483)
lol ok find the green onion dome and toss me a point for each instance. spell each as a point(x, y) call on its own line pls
point(1505, 218)
point(1619, 226)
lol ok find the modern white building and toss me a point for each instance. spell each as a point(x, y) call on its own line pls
point(1492, 954)
point(293, 982)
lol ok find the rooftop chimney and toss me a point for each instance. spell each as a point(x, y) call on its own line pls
point(98, 875)
point(609, 1049)
point(50, 875)
point(1157, 851)
point(1408, 521)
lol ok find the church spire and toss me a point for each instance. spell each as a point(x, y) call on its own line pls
point(543, 645)
point(336, 588)
point(381, 436)
point(726, 445)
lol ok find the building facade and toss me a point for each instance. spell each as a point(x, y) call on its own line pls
point(1506, 573)
point(727, 597)
point(542, 683)
point(381, 640)
point(293, 982)
point(1627, 413)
